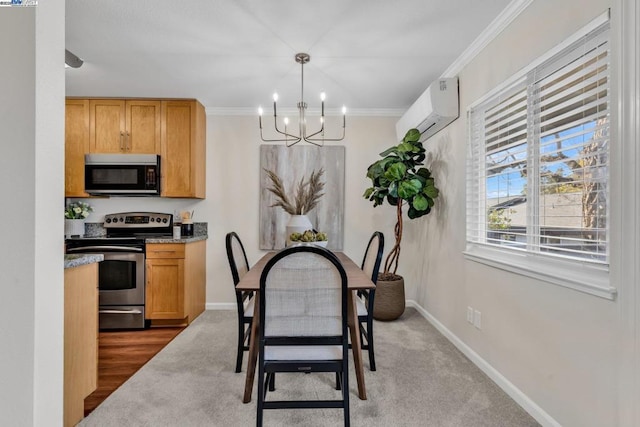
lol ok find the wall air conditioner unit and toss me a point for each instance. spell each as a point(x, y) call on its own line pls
point(435, 109)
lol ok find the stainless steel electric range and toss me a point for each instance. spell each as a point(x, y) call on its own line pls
point(121, 276)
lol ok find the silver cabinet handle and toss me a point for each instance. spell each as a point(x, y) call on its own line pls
point(120, 311)
point(122, 146)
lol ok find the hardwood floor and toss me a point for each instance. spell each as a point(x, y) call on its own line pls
point(121, 354)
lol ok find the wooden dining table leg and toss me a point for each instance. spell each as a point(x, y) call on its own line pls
point(253, 351)
point(355, 345)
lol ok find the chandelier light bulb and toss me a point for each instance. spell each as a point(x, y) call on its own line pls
point(260, 111)
point(286, 121)
point(275, 97)
point(344, 110)
point(322, 96)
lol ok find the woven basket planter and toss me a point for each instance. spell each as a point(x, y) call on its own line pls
point(389, 300)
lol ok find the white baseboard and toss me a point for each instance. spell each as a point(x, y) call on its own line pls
point(514, 392)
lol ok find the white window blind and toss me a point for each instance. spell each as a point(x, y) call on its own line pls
point(538, 163)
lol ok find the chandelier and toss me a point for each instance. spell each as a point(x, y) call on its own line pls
point(316, 138)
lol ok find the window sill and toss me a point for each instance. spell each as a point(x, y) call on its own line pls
point(583, 277)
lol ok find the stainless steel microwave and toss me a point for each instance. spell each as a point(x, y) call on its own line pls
point(122, 174)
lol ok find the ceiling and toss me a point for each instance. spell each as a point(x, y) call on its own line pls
point(370, 55)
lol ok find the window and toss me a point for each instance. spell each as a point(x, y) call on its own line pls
point(538, 167)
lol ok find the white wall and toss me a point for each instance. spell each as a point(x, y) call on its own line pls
point(31, 187)
point(556, 345)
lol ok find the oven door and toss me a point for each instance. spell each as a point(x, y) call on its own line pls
point(121, 285)
point(121, 279)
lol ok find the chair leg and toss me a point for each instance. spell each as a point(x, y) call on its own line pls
point(272, 382)
point(345, 393)
point(261, 392)
point(338, 381)
point(240, 350)
point(372, 358)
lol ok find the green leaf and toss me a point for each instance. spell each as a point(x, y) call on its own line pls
point(393, 189)
point(409, 188)
point(413, 213)
point(412, 135)
point(424, 172)
point(395, 172)
point(431, 191)
point(405, 148)
point(392, 150)
point(420, 202)
point(368, 192)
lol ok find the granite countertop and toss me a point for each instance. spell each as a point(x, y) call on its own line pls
point(184, 239)
point(71, 261)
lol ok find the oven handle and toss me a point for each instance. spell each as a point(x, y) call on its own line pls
point(120, 311)
point(108, 248)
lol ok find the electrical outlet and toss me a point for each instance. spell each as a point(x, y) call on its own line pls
point(477, 319)
point(470, 315)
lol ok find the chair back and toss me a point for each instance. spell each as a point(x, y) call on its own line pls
point(373, 256)
point(237, 257)
point(304, 294)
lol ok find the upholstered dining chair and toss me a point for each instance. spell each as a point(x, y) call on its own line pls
point(244, 300)
point(364, 302)
point(303, 325)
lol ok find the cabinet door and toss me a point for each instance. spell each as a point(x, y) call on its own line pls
point(107, 126)
point(183, 149)
point(165, 289)
point(76, 140)
point(80, 339)
point(142, 134)
point(195, 262)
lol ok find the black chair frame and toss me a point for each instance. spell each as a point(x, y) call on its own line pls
point(244, 322)
point(268, 369)
point(365, 323)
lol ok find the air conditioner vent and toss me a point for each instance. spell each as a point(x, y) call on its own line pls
point(433, 110)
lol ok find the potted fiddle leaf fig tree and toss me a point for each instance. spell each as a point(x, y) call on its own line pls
point(400, 179)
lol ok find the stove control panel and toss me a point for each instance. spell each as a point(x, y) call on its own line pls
point(138, 220)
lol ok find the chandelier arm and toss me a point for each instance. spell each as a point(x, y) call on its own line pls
point(314, 143)
point(285, 133)
point(294, 137)
point(293, 143)
point(311, 139)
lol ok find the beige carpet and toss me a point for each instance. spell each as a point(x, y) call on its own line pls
point(422, 380)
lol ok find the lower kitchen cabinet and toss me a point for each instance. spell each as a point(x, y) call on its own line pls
point(80, 339)
point(175, 282)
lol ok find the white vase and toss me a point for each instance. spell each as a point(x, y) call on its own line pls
point(298, 224)
point(73, 227)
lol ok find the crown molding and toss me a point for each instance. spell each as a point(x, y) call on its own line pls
point(360, 112)
point(496, 26)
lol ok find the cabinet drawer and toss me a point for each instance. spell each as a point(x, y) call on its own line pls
point(165, 250)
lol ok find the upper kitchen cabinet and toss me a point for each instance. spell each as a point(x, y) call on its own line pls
point(183, 149)
point(124, 126)
point(76, 136)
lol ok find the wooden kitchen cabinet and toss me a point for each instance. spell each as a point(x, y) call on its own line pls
point(80, 339)
point(124, 126)
point(175, 129)
point(183, 149)
point(76, 138)
point(175, 282)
